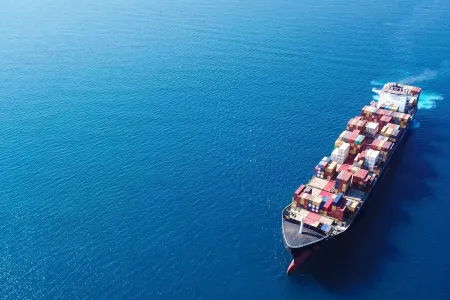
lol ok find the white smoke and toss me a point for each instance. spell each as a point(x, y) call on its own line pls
point(426, 75)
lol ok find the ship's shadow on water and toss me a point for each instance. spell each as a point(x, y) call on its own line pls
point(358, 256)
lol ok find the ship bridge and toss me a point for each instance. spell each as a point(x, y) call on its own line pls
point(398, 95)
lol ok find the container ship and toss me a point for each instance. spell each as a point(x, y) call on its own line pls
point(343, 182)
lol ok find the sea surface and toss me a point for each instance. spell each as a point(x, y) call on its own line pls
point(148, 147)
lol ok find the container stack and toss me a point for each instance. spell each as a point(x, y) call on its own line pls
point(338, 207)
point(382, 112)
point(354, 138)
point(305, 199)
point(349, 136)
point(326, 198)
point(368, 113)
point(382, 137)
point(372, 129)
point(358, 161)
point(360, 179)
point(371, 159)
point(352, 205)
point(312, 219)
point(316, 204)
point(330, 170)
point(385, 151)
point(296, 198)
point(355, 147)
point(343, 138)
point(391, 107)
point(385, 120)
point(328, 204)
point(319, 170)
point(330, 186)
point(343, 181)
point(391, 131)
point(356, 123)
point(349, 168)
point(377, 144)
point(401, 119)
point(338, 142)
point(343, 167)
point(340, 154)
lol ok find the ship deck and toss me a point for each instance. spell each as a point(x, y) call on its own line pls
point(294, 239)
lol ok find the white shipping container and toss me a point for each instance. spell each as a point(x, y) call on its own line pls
point(345, 146)
point(372, 129)
point(375, 154)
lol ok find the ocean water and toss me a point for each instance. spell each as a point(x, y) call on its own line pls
point(148, 147)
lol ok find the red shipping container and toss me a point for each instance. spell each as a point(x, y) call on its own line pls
point(313, 216)
point(386, 146)
point(374, 144)
point(345, 176)
point(327, 206)
point(344, 167)
point(308, 221)
point(326, 194)
point(330, 186)
point(299, 191)
point(360, 174)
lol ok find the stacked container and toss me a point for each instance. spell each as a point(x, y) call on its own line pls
point(352, 205)
point(360, 179)
point(338, 207)
point(342, 138)
point(382, 112)
point(356, 123)
point(316, 204)
point(327, 207)
point(319, 170)
point(377, 144)
point(382, 137)
point(340, 154)
point(330, 170)
point(401, 119)
point(312, 219)
point(372, 129)
point(386, 151)
point(359, 160)
point(326, 196)
point(368, 113)
point(343, 181)
point(391, 107)
point(296, 199)
point(384, 120)
point(354, 139)
point(391, 131)
point(305, 199)
point(343, 167)
point(330, 186)
point(371, 159)
point(356, 146)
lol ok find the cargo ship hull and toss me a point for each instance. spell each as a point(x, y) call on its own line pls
point(302, 240)
point(292, 229)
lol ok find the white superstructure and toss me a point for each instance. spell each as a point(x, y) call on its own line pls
point(398, 95)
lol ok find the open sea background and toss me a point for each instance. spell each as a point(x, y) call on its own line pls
point(148, 147)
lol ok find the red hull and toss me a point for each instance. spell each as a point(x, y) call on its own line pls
point(298, 261)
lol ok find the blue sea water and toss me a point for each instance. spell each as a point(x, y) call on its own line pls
point(148, 147)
